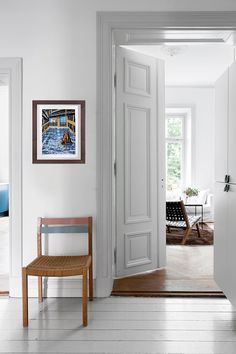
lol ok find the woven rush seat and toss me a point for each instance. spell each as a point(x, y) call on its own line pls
point(58, 265)
point(192, 220)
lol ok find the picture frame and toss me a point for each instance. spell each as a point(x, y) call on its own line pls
point(58, 131)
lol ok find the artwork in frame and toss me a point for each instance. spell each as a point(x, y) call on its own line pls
point(58, 131)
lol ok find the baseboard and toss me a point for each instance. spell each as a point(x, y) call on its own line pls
point(60, 287)
point(104, 287)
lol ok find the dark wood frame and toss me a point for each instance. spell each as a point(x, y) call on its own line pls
point(35, 159)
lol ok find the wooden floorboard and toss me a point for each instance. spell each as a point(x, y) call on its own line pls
point(195, 294)
point(189, 272)
point(120, 325)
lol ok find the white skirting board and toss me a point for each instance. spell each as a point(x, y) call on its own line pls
point(60, 287)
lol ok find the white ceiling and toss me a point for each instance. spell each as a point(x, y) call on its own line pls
point(191, 64)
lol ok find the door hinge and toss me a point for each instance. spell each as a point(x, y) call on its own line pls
point(115, 255)
point(114, 80)
point(115, 168)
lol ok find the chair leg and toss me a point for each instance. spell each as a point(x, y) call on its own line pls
point(40, 289)
point(85, 298)
point(91, 282)
point(198, 230)
point(186, 234)
point(25, 296)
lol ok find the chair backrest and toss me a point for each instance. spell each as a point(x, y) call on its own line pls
point(175, 211)
point(78, 225)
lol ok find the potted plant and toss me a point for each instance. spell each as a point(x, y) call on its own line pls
point(190, 192)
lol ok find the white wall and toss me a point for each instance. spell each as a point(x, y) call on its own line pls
point(57, 41)
point(203, 107)
point(4, 135)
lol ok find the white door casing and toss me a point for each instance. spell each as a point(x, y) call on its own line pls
point(136, 161)
point(129, 23)
point(13, 68)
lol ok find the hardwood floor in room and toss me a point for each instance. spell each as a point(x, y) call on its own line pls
point(189, 269)
point(120, 325)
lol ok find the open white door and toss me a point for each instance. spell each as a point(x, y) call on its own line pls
point(225, 191)
point(140, 151)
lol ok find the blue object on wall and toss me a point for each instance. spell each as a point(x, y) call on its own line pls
point(4, 198)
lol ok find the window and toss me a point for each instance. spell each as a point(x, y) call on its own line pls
point(178, 149)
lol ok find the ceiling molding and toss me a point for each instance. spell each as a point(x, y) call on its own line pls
point(199, 86)
point(152, 37)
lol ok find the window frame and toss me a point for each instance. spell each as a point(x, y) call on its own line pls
point(188, 153)
point(177, 140)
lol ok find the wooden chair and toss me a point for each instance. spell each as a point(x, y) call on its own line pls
point(60, 266)
point(177, 217)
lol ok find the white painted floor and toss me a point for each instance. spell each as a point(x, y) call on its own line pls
point(120, 325)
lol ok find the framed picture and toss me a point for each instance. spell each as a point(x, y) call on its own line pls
point(58, 131)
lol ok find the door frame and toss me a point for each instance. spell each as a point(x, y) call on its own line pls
point(12, 67)
point(107, 24)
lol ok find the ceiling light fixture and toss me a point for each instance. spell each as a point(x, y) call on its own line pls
point(173, 50)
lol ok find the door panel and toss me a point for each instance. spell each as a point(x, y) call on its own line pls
point(136, 161)
point(232, 124)
point(137, 164)
point(225, 240)
point(225, 202)
point(221, 127)
point(230, 286)
point(137, 77)
point(138, 248)
point(221, 241)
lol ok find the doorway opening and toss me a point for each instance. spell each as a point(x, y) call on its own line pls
point(4, 184)
point(191, 72)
